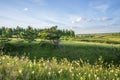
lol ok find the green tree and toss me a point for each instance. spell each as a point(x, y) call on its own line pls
point(43, 34)
point(6, 33)
point(29, 34)
point(51, 34)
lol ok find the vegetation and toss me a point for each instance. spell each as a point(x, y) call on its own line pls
point(109, 38)
point(30, 33)
point(54, 54)
point(71, 50)
point(14, 68)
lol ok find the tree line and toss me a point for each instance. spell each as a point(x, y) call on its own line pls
point(30, 34)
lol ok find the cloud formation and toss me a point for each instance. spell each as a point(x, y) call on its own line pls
point(102, 7)
point(80, 19)
point(25, 9)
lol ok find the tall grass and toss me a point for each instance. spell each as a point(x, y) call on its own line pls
point(14, 68)
point(70, 50)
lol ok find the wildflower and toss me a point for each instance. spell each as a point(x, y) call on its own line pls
point(111, 71)
point(33, 72)
point(3, 58)
point(49, 73)
point(96, 70)
point(97, 78)
point(60, 71)
point(8, 63)
point(38, 64)
point(81, 78)
point(20, 71)
point(30, 65)
point(116, 74)
point(72, 74)
point(43, 64)
point(89, 75)
point(95, 75)
point(70, 70)
point(45, 67)
point(77, 63)
point(72, 67)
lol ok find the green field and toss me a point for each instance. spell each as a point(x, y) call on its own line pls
point(73, 60)
point(109, 38)
point(71, 50)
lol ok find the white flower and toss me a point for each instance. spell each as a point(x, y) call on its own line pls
point(33, 72)
point(20, 71)
point(60, 71)
point(49, 73)
point(70, 70)
point(89, 75)
point(111, 71)
point(95, 75)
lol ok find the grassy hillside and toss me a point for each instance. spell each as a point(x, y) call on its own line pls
point(111, 38)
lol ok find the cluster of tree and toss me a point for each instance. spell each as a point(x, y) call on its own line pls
point(31, 33)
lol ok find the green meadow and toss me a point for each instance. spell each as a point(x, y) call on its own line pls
point(73, 60)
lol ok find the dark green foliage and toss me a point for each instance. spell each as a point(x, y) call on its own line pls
point(26, 34)
point(6, 32)
point(51, 34)
point(29, 34)
point(69, 50)
point(46, 44)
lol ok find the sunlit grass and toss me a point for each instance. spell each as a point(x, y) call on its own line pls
point(14, 68)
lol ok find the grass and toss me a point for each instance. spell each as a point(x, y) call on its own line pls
point(14, 68)
point(69, 49)
point(72, 61)
point(109, 38)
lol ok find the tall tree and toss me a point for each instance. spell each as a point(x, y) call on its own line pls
point(51, 34)
point(29, 34)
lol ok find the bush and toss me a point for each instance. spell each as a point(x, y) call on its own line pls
point(46, 44)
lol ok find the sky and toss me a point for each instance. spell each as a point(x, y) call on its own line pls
point(82, 16)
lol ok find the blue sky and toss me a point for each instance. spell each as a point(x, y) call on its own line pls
point(83, 16)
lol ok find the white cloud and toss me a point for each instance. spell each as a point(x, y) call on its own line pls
point(102, 8)
point(80, 19)
point(25, 9)
point(40, 2)
point(104, 19)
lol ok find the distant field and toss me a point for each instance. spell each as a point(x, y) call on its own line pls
point(110, 38)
